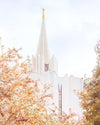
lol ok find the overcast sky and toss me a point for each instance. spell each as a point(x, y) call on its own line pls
point(73, 28)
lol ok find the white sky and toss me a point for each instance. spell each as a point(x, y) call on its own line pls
point(73, 27)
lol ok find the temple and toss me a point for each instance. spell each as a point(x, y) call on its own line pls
point(45, 69)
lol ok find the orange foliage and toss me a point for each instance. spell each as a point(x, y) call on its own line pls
point(22, 101)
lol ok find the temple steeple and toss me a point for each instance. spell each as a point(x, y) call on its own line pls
point(42, 62)
point(43, 50)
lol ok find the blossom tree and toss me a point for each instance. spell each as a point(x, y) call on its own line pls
point(23, 100)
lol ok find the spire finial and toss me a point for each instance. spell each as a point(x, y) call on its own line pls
point(43, 12)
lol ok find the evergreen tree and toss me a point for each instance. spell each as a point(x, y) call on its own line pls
point(90, 96)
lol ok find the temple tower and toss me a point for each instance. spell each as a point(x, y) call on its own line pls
point(42, 62)
point(43, 49)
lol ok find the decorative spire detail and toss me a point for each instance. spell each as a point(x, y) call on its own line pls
point(43, 16)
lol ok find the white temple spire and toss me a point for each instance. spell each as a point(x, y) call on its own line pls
point(43, 62)
point(43, 49)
